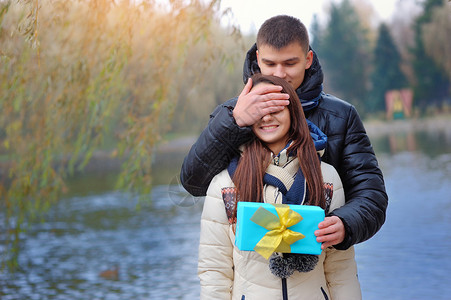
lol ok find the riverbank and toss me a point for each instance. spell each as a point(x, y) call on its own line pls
point(172, 150)
point(176, 148)
point(374, 128)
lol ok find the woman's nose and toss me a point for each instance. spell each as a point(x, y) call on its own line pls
point(267, 118)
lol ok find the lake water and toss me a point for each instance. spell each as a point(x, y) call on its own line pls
point(154, 249)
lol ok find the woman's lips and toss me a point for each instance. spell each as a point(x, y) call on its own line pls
point(269, 127)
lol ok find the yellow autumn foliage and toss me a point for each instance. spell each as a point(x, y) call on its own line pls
point(75, 72)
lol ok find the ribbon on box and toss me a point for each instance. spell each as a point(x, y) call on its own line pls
point(279, 237)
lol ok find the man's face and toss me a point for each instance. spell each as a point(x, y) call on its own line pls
point(288, 63)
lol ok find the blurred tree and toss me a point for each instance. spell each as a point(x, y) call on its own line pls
point(345, 54)
point(316, 35)
point(368, 17)
point(402, 31)
point(431, 83)
point(437, 36)
point(220, 80)
point(386, 74)
point(76, 75)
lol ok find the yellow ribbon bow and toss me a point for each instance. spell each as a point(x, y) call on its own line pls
point(279, 237)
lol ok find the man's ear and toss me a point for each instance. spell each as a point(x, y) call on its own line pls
point(309, 59)
point(258, 61)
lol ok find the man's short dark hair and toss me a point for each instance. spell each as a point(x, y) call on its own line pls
point(280, 31)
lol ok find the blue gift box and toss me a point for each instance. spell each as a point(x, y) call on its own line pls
point(248, 233)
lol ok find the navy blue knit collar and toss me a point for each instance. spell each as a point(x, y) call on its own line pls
point(294, 195)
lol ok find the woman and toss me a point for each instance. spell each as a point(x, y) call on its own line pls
point(275, 167)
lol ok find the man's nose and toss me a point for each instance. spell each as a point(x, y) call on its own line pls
point(279, 71)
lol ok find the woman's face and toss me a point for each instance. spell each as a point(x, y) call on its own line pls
point(272, 129)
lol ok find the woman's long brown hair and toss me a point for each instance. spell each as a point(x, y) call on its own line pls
point(248, 177)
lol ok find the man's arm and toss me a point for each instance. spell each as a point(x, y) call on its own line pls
point(219, 142)
point(366, 198)
point(349, 150)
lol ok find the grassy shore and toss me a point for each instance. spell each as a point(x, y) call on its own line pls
point(174, 147)
point(430, 124)
point(374, 128)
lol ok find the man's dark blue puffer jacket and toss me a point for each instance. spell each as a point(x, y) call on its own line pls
point(348, 149)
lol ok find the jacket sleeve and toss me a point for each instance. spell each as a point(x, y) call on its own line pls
point(340, 267)
point(218, 143)
point(366, 199)
point(215, 265)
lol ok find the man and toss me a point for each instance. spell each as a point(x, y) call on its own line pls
point(283, 51)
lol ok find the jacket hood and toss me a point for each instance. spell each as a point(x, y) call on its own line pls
point(310, 90)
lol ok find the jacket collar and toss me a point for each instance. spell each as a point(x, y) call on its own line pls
point(282, 157)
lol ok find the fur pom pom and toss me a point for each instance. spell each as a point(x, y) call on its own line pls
point(279, 266)
point(302, 262)
point(283, 266)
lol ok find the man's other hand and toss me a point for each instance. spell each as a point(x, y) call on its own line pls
point(331, 232)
